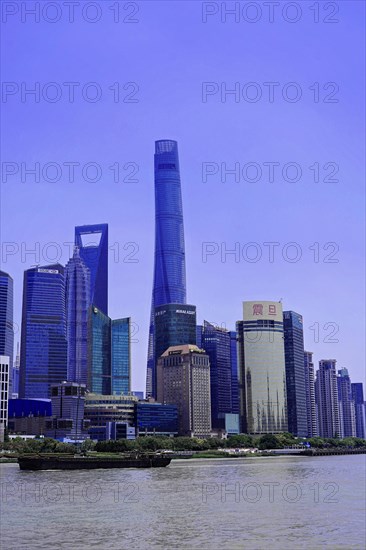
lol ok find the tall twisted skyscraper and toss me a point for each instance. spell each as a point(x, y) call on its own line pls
point(169, 268)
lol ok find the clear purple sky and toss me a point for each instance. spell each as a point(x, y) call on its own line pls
point(168, 54)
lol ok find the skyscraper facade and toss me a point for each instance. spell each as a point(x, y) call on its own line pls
point(312, 428)
point(121, 356)
point(109, 354)
point(4, 393)
point(347, 419)
point(6, 319)
point(184, 380)
point(357, 396)
point(326, 396)
point(169, 286)
point(99, 352)
point(295, 374)
point(77, 285)
point(43, 350)
point(92, 242)
point(262, 375)
point(174, 325)
point(216, 341)
point(234, 372)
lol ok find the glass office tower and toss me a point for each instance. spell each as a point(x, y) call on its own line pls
point(169, 285)
point(120, 356)
point(310, 394)
point(99, 352)
point(326, 397)
point(346, 405)
point(92, 242)
point(77, 284)
point(175, 325)
point(295, 373)
point(216, 342)
point(6, 320)
point(109, 354)
point(43, 351)
point(357, 396)
point(262, 375)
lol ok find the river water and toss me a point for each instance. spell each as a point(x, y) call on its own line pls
point(246, 503)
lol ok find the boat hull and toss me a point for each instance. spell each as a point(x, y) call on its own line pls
point(90, 463)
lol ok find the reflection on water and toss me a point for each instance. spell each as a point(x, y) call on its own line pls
point(281, 502)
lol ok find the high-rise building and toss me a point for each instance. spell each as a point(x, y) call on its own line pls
point(183, 379)
point(174, 325)
point(92, 242)
point(357, 396)
point(121, 356)
point(109, 354)
point(262, 375)
point(77, 286)
point(216, 341)
point(312, 429)
point(169, 285)
point(326, 396)
point(295, 374)
point(15, 375)
point(4, 393)
point(99, 352)
point(234, 372)
point(347, 418)
point(67, 420)
point(6, 319)
point(43, 350)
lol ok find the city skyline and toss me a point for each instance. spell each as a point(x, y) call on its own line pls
point(121, 135)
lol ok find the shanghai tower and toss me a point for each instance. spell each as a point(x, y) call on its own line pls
point(169, 263)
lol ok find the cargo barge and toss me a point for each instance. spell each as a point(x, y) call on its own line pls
point(79, 462)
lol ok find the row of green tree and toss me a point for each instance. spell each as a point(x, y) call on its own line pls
point(268, 441)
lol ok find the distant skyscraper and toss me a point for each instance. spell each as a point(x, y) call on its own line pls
point(357, 396)
point(262, 376)
point(169, 285)
point(6, 318)
point(109, 354)
point(347, 419)
point(295, 375)
point(216, 342)
point(4, 393)
point(184, 380)
point(310, 394)
point(121, 356)
point(326, 395)
point(92, 241)
point(234, 372)
point(99, 352)
point(77, 281)
point(43, 351)
point(174, 325)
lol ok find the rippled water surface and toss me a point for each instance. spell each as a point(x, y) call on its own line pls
point(254, 503)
